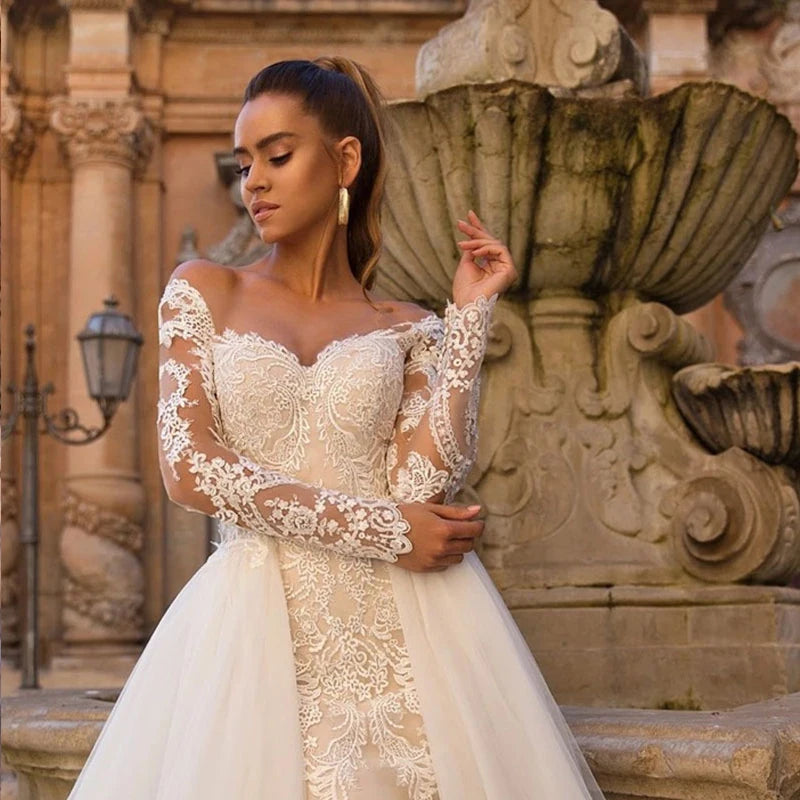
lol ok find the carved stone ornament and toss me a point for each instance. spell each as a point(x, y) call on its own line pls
point(737, 518)
point(103, 578)
point(665, 196)
point(619, 215)
point(565, 43)
point(781, 65)
point(754, 408)
point(17, 136)
point(103, 130)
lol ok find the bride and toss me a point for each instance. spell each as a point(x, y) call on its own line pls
point(344, 641)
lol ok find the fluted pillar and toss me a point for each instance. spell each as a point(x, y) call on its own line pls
point(16, 147)
point(108, 140)
point(104, 503)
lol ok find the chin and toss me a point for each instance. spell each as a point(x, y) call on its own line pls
point(266, 237)
point(268, 234)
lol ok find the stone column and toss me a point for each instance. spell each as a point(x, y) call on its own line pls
point(107, 140)
point(16, 147)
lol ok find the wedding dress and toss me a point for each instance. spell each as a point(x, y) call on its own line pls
point(298, 661)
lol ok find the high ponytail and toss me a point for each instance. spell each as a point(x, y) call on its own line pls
point(345, 99)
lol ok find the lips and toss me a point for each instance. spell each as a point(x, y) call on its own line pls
point(262, 210)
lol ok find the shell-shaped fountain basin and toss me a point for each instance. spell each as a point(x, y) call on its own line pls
point(754, 408)
point(666, 196)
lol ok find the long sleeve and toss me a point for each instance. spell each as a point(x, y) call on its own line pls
point(435, 438)
point(202, 473)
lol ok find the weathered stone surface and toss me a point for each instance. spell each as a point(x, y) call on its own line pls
point(748, 753)
point(665, 197)
point(604, 204)
point(47, 736)
point(756, 408)
point(565, 43)
point(701, 647)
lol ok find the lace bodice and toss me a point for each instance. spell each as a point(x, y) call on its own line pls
point(320, 453)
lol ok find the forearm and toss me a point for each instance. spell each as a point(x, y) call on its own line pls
point(231, 488)
point(437, 442)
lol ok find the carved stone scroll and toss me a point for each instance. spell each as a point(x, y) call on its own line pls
point(103, 130)
point(561, 43)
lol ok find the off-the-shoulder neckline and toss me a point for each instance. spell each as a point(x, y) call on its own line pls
point(251, 335)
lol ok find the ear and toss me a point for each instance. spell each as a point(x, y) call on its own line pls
point(349, 160)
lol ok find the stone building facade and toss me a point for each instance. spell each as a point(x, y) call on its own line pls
point(112, 113)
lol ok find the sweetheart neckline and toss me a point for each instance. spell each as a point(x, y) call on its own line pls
point(321, 354)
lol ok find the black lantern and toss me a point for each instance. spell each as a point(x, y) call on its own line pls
point(110, 347)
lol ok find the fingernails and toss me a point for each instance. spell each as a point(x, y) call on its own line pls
point(473, 508)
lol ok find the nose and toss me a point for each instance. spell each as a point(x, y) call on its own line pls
point(255, 179)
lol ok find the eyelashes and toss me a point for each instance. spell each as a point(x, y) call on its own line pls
point(278, 161)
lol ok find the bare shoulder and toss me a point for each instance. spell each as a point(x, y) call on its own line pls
point(406, 311)
point(204, 274)
point(215, 282)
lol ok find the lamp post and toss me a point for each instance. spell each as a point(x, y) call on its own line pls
point(110, 347)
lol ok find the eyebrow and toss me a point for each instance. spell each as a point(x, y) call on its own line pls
point(265, 142)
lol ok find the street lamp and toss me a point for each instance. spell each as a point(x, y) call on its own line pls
point(110, 347)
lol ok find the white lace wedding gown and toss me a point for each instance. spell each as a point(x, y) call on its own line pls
point(298, 662)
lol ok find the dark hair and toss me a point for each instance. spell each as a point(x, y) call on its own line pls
point(346, 101)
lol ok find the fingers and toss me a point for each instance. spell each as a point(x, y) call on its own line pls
point(475, 219)
point(454, 512)
point(450, 560)
point(470, 243)
point(481, 247)
point(460, 546)
point(474, 227)
point(473, 232)
point(465, 529)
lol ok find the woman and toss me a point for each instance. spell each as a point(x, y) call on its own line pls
point(344, 641)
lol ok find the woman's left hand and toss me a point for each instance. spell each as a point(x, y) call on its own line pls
point(486, 265)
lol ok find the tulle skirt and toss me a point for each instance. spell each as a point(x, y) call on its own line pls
point(210, 709)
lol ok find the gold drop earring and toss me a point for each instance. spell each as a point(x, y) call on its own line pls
point(344, 205)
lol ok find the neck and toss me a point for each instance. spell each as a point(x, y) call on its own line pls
point(315, 265)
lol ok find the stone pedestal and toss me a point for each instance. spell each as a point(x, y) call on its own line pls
point(698, 647)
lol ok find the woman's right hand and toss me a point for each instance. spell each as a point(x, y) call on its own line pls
point(440, 535)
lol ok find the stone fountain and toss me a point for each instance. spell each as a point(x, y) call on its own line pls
point(642, 555)
point(643, 512)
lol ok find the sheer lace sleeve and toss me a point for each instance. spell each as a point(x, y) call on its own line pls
point(435, 437)
point(202, 473)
